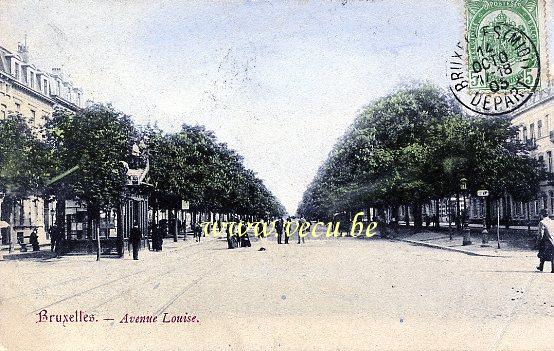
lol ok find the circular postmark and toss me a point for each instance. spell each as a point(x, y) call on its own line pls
point(497, 70)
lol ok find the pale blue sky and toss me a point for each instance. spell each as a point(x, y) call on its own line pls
point(277, 81)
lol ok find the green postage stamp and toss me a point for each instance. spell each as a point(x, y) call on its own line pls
point(505, 54)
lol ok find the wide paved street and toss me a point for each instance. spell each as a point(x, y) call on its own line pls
point(333, 294)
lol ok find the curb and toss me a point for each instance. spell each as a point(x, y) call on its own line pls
point(446, 248)
point(31, 255)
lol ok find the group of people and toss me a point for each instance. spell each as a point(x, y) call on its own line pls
point(280, 229)
point(236, 236)
point(56, 239)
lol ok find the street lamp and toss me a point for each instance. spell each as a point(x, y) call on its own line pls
point(465, 226)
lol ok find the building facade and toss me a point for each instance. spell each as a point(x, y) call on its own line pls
point(535, 124)
point(536, 128)
point(35, 94)
point(26, 89)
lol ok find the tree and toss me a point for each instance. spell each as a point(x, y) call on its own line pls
point(95, 140)
point(26, 162)
point(416, 145)
point(194, 166)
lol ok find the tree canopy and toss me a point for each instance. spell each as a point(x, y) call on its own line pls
point(191, 164)
point(416, 145)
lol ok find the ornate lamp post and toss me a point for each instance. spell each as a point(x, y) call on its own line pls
point(465, 226)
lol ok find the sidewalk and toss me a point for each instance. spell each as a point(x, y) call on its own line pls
point(45, 254)
point(510, 245)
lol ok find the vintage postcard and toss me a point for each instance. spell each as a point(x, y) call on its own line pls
point(276, 175)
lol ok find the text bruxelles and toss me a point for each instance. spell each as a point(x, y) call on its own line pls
point(290, 228)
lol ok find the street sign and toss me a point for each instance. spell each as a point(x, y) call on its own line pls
point(482, 193)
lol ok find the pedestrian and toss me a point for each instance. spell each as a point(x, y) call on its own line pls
point(52, 233)
point(230, 243)
point(160, 239)
point(245, 240)
point(301, 222)
point(120, 243)
point(546, 240)
point(59, 239)
point(134, 238)
point(155, 239)
point(287, 232)
point(33, 240)
point(279, 230)
point(197, 231)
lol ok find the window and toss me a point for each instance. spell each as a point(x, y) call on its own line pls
point(525, 134)
point(32, 80)
point(539, 128)
point(532, 131)
point(34, 115)
point(3, 111)
point(16, 70)
point(549, 157)
point(17, 107)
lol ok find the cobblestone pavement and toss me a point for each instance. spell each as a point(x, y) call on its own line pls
point(328, 294)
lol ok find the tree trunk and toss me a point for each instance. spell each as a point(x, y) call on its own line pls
point(418, 220)
point(437, 218)
point(528, 220)
point(458, 215)
point(184, 224)
point(60, 215)
point(175, 226)
point(89, 227)
point(488, 208)
point(96, 224)
point(507, 212)
point(407, 215)
point(395, 213)
point(120, 237)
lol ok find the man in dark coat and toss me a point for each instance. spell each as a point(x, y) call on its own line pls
point(53, 237)
point(33, 240)
point(58, 236)
point(279, 230)
point(287, 233)
point(160, 238)
point(134, 239)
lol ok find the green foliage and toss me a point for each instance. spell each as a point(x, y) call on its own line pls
point(194, 166)
point(96, 140)
point(190, 164)
point(416, 145)
point(26, 161)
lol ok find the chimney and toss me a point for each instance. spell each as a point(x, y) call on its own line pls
point(56, 72)
point(23, 51)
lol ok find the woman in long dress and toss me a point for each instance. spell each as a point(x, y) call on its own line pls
point(546, 240)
